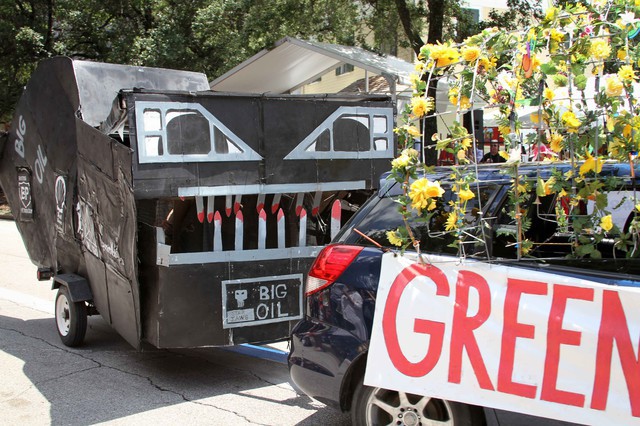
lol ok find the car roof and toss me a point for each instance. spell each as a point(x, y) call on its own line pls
point(500, 173)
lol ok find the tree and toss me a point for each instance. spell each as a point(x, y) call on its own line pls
point(88, 29)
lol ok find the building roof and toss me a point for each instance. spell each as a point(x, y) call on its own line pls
point(293, 63)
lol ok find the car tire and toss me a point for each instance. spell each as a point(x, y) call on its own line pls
point(377, 406)
point(71, 318)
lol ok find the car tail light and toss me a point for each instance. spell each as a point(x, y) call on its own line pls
point(330, 263)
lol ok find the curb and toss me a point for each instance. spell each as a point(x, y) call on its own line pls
point(6, 216)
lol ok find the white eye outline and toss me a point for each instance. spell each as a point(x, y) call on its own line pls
point(381, 132)
point(238, 150)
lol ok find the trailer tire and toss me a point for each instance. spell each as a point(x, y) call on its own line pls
point(71, 318)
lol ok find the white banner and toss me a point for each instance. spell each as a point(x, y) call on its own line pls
point(508, 338)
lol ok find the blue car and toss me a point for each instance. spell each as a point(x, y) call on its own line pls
point(329, 346)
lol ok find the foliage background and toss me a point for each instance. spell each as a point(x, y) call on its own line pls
point(209, 36)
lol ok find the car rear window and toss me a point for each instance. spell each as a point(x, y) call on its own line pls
point(382, 215)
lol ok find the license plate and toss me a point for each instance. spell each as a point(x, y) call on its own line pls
point(262, 300)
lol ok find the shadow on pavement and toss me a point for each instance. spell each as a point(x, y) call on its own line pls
point(106, 379)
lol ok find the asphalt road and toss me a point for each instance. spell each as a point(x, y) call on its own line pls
point(106, 381)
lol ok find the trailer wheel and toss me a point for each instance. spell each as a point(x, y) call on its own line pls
point(71, 318)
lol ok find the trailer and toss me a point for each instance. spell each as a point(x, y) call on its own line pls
point(184, 217)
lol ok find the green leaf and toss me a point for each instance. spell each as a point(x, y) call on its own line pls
point(548, 68)
point(580, 81)
point(585, 250)
point(601, 200)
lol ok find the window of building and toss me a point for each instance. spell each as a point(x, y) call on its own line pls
point(344, 68)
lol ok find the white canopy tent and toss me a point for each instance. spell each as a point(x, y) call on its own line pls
point(293, 63)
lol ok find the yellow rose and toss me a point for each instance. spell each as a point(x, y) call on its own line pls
point(413, 131)
point(470, 53)
point(552, 12)
point(622, 54)
point(571, 121)
point(613, 86)
point(626, 73)
point(410, 152)
point(422, 191)
point(485, 63)
point(401, 162)
point(420, 106)
point(465, 103)
point(600, 49)
point(556, 35)
point(548, 185)
point(394, 238)
point(444, 54)
point(555, 142)
point(451, 223)
point(606, 223)
point(590, 164)
point(466, 194)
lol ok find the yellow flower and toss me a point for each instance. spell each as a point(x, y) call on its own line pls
point(465, 103)
point(462, 154)
point(451, 223)
point(413, 131)
point(401, 162)
point(466, 194)
point(552, 12)
point(555, 142)
point(626, 73)
point(571, 121)
point(444, 54)
point(600, 49)
point(453, 95)
point(470, 53)
point(422, 191)
point(556, 35)
point(606, 223)
point(590, 164)
point(535, 62)
point(410, 152)
point(418, 66)
point(485, 63)
point(535, 118)
point(503, 154)
point(420, 106)
point(504, 130)
point(638, 205)
point(548, 94)
point(394, 238)
point(415, 79)
point(622, 54)
point(466, 143)
point(548, 185)
point(613, 86)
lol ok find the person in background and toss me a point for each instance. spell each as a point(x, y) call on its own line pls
point(493, 156)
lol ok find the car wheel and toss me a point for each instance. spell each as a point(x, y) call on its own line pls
point(71, 318)
point(377, 406)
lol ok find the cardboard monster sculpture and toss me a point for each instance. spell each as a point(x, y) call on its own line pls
point(182, 216)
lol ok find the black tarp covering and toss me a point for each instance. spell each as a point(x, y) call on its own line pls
point(99, 156)
point(77, 182)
